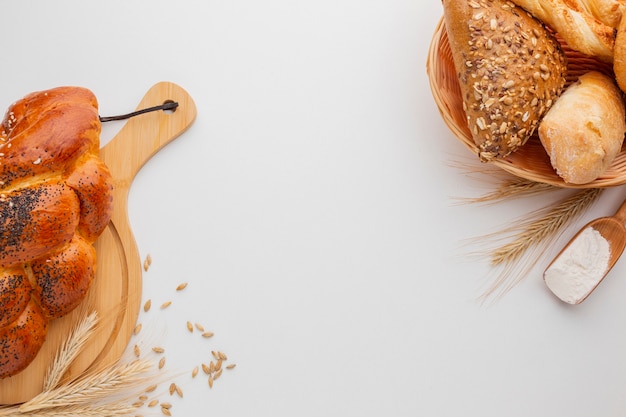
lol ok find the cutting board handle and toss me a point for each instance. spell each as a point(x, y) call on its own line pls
point(143, 136)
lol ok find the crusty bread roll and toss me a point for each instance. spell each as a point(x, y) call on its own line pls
point(577, 23)
point(55, 200)
point(583, 132)
point(510, 70)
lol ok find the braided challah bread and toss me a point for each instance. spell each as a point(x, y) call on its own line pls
point(55, 200)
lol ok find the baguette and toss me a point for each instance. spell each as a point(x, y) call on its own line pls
point(510, 70)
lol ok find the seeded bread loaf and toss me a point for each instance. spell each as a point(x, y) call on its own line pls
point(510, 69)
point(55, 200)
point(583, 132)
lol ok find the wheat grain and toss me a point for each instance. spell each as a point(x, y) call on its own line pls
point(137, 329)
point(158, 349)
point(166, 305)
point(199, 327)
point(147, 262)
point(207, 334)
point(147, 305)
point(190, 327)
point(153, 403)
point(181, 287)
point(206, 369)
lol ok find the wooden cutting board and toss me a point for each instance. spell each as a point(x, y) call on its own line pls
point(115, 294)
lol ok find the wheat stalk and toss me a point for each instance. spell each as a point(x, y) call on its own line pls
point(110, 409)
point(511, 188)
point(533, 235)
point(69, 351)
point(92, 387)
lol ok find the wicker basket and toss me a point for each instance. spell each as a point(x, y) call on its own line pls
point(530, 161)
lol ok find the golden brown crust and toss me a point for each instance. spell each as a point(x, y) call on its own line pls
point(584, 130)
point(35, 220)
point(510, 70)
point(55, 200)
point(63, 278)
point(15, 290)
point(21, 340)
point(91, 181)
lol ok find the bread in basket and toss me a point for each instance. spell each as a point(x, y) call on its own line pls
point(531, 160)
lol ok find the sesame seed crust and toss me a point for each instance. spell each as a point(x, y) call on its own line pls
point(510, 67)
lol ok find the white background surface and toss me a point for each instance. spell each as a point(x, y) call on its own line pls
point(312, 209)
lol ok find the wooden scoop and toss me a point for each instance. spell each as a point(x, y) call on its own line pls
point(584, 262)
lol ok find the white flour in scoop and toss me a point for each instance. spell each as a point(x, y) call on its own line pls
point(577, 271)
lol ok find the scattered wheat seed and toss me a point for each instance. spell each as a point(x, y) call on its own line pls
point(210, 381)
point(162, 362)
point(217, 374)
point(218, 365)
point(158, 349)
point(138, 404)
point(147, 262)
point(137, 329)
point(153, 403)
point(181, 286)
point(143, 398)
point(212, 367)
point(147, 305)
point(207, 334)
point(190, 326)
point(166, 304)
point(215, 355)
point(166, 405)
point(179, 391)
point(222, 355)
point(136, 350)
point(194, 372)
point(206, 368)
point(199, 327)
point(151, 388)
point(231, 366)
point(166, 411)
point(172, 388)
